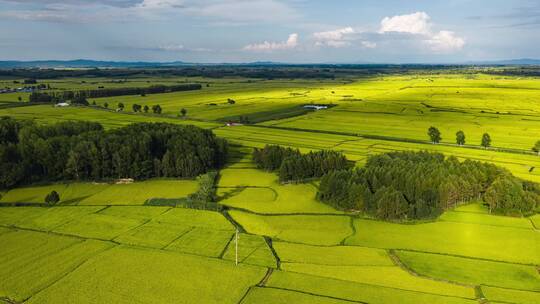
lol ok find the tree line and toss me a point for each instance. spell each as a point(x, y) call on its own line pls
point(417, 185)
point(32, 153)
point(293, 166)
point(82, 95)
point(435, 137)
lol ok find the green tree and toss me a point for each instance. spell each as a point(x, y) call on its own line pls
point(156, 109)
point(460, 138)
point(434, 135)
point(536, 147)
point(106, 105)
point(145, 109)
point(52, 198)
point(183, 112)
point(486, 140)
point(231, 101)
point(120, 106)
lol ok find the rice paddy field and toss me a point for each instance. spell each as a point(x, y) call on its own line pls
point(271, 242)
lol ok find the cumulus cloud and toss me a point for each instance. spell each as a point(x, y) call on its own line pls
point(446, 41)
point(342, 37)
point(291, 43)
point(336, 38)
point(420, 27)
point(417, 23)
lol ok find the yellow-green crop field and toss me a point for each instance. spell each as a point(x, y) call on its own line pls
point(271, 242)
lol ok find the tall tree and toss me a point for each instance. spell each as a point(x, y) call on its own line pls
point(434, 135)
point(486, 140)
point(460, 138)
point(183, 112)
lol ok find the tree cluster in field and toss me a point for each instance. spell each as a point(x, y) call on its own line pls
point(418, 185)
point(84, 151)
point(294, 166)
point(82, 95)
point(435, 137)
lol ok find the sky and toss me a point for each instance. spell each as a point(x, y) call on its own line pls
point(291, 31)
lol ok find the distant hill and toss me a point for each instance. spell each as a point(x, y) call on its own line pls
point(522, 61)
point(84, 63)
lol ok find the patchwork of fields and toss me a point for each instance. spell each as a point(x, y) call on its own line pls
point(102, 244)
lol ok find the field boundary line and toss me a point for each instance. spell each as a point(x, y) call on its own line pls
point(222, 253)
point(353, 231)
point(266, 277)
point(175, 239)
point(314, 294)
point(270, 244)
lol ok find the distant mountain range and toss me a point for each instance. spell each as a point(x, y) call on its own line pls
point(85, 63)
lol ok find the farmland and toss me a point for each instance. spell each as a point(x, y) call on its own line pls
point(103, 242)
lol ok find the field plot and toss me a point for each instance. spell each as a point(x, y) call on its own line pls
point(98, 226)
point(333, 256)
point(471, 271)
point(354, 291)
point(103, 194)
point(307, 229)
point(127, 275)
point(109, 119)
point(252, 249)
point(388, 276)
point(405, 106)
point(31, 261)
point(462, 239)
point(153, 234)
point(54, 217)
point(485, 219)
point(260, 192)
point(202, 241)
point(510, 296)
point(281, 296)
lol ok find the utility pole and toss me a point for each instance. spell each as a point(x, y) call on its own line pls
point(236, 246)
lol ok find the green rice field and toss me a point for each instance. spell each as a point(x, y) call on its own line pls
point(268, 242)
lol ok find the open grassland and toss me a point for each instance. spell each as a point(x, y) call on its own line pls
point(103, 193)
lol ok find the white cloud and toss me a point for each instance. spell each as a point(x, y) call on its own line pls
point(336, 38)
point(291, 43)
point(369, 44)
point(445, 41)
point(416, 23)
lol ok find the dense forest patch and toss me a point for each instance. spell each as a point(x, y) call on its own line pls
point(416, 185)
point(85, 151)
point(81, 95)
point(294, 166)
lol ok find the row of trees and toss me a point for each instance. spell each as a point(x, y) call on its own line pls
point(85, 151)
point(293, 166)
point(435, 137)
point(78, 96)
point(416, 185)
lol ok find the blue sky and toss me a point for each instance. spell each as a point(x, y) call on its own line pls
point(297, 31)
